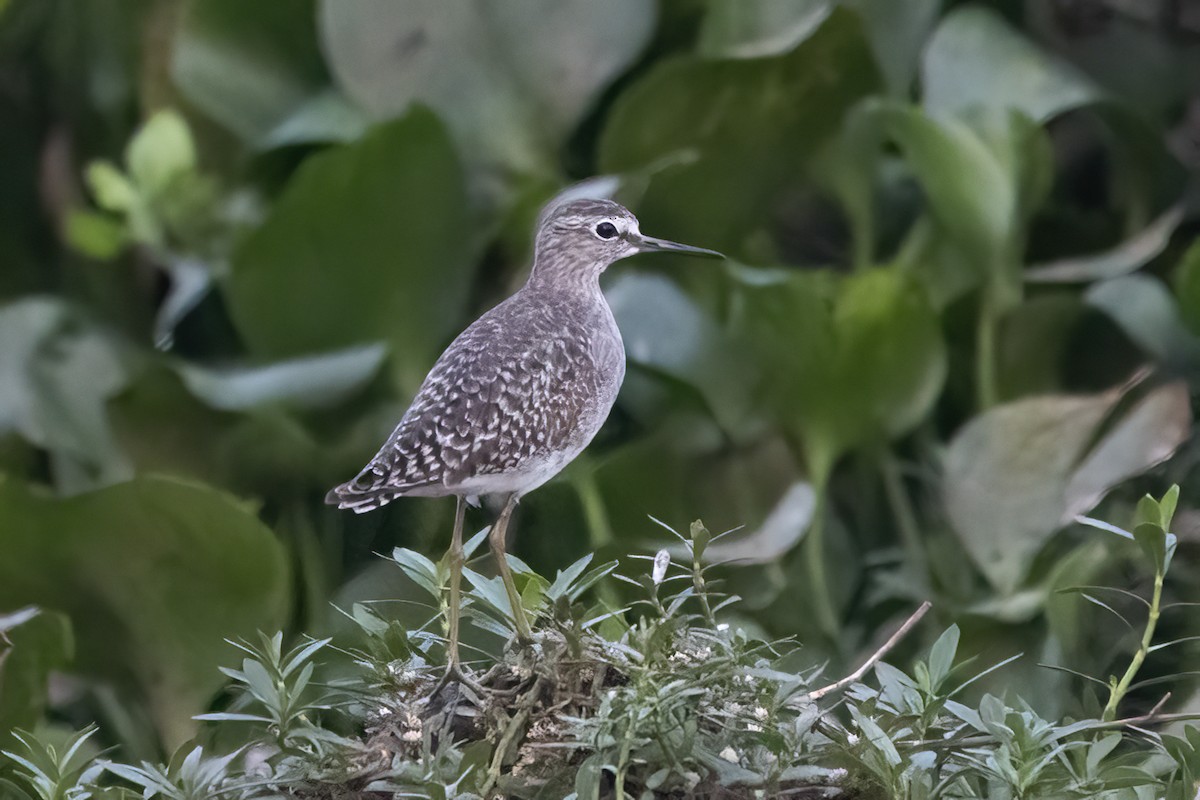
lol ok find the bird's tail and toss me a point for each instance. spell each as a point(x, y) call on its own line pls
point(366, 492)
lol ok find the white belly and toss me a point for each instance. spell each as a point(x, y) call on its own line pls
point(523, 480)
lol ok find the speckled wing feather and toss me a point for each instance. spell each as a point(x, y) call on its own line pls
point(508, 390)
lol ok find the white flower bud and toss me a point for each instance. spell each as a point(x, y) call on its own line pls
point(662, 560)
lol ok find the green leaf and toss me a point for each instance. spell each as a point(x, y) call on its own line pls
point(1142, 306)
point(1032, 341)
point(329, 117)
point(667, 332)
point(1005, 474)
point(941, 656)
point(1147, 434)
point(32, 643)
point(247, 71)
point(863, 365)
point(1152, 539)
point(750, 123)
point(154, 574)
point(951, 162)
point(309, 382)
point(57, 372)
point(159, 152)
point(486, 68)
point(1131, 254)
point(876, 737)
point(565, 578)
point(110, 188)
point(491, 591)
point(1021, 471)
point(1167, 506)
point(897, 32)
point(587, 778)
point(97, 236)
point(976, 59)
point(1187, 287)
point(367, 243)
point(757, 28)
point(890, 349)
point(785, 524)
point(423, 571)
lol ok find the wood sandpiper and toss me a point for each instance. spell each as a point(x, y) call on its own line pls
point(518, 394)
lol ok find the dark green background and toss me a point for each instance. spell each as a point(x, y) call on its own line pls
point(961, 306)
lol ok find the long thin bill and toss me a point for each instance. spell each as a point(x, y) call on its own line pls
point(648, 244)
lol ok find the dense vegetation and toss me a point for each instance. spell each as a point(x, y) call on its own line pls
point(961, 311)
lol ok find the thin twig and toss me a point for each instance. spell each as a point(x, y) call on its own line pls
point(1158, 707)
point(894, 640)
point(512, 730)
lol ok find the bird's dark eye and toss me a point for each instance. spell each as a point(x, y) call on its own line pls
point(606, 230)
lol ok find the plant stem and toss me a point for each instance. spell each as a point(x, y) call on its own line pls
point(892, 641)
point(985, 354)
point(863, 243)
point(817, 573)
point(701, 590)
point(1117, 693)
point(906, 519)
point(599, 529)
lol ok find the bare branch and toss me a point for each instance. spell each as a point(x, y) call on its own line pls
point(892, 641)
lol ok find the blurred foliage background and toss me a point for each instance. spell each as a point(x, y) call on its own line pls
point(962, 307)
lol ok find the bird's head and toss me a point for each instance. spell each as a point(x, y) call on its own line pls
point(581, 238)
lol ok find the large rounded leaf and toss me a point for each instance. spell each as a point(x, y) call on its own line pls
point(952, 161)
point(511, 79)
point(976, 59)
point(248, 71)
point(368, 242)
point(751, 123)
point(155, 574)
point(858, 362)
point(1018, 473)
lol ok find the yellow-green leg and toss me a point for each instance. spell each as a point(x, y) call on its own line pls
point(497, 541)
point(454, 669)
point(457, 559)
